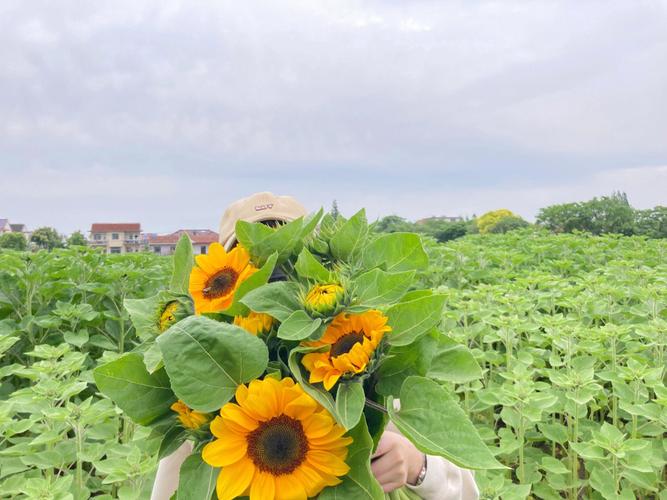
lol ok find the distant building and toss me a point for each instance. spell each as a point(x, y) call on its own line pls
point(165, 244)
point(124, 237)
point(442, 218)
point(6, 227)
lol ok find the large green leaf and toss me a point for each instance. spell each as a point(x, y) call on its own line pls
point(278, 299)
point(396, 252)
point(182, 266)
point(258, 279)
point(251, 234)
point(403, 361)
point(310, 223)
point(453, 362)
point(196, 479)
point(307, 266)
point(432, 419)
point(350, 238)
point(350, 399)
point(409, 320)
point(377, 287)
point(206, 360)
point(359, 484)
point(143, 396)
point(298, 326)
point(7, 342)
point(282, 240)
point(171, 440)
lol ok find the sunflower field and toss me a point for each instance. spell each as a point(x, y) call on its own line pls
point(559, 363)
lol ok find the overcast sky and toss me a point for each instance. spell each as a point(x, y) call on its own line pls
point(163, 112)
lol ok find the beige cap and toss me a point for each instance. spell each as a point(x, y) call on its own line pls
point(257, 208)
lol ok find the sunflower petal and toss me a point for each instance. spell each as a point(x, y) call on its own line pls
point(330, 379)
point(263, 486)
point(217, 252)
point(327, 462)
point(289, 489)
point(206, 264)
point(224, 452)
point(301, 407)
point(317, 425)
point(234, 415)
point(235, 479)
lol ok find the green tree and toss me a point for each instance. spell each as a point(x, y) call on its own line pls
point(47, 238)
point(15, 241)
point(334, 210)
point(507, 224)
point(651, 222)
point(394, 224)
point(608, 214)
point(451, 230)
point(77, 238)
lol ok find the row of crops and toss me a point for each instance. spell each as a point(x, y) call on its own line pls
point(571, 334)
point(569, 331)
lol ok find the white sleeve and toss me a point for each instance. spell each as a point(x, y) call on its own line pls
point(446, 481)
point(443, 480)
point(166, 478)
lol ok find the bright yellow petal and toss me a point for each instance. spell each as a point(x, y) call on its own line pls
point(234, 479)
point(317, 425)
point(331, 379)
point(217, 252)
point(263, 486)
point(289, 489)
point(206, 264)
point(234, 415)
point(257, 407)
point(301, 408)
point(327, 462)
point(224, 452)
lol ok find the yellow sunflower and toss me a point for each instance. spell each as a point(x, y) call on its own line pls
point(168, 316)
point(217, 276)
point(275, 442)
point(188, 417)
point(323, 298)
point(352, 340)
point(255, 323)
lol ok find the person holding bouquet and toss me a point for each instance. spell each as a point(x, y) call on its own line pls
point(396, 462)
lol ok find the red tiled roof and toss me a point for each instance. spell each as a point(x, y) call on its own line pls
point(106, 227)
point(198, 237)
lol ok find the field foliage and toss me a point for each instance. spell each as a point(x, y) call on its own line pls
point(569, 331)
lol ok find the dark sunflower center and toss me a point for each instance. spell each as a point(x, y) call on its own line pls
point(221, 283)
point(278, 445)
point(345, 344)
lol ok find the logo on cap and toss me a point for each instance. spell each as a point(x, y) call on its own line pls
point(259, 208)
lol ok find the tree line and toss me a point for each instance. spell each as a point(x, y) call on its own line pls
point(605, 215)
point(46, 238)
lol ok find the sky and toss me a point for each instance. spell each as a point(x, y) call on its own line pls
point(163, 112)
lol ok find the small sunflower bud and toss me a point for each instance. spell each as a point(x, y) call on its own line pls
point(323, 299)
point(169, 315)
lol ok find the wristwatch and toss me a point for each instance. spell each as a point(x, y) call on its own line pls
point(422, 473)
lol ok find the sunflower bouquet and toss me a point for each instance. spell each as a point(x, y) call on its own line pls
point(283, 359)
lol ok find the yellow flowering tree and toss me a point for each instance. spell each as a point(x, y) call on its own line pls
point(486, 222)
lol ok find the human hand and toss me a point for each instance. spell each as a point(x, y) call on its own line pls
point(396, 462)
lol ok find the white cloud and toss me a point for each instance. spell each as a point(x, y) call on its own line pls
point(452, 100)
